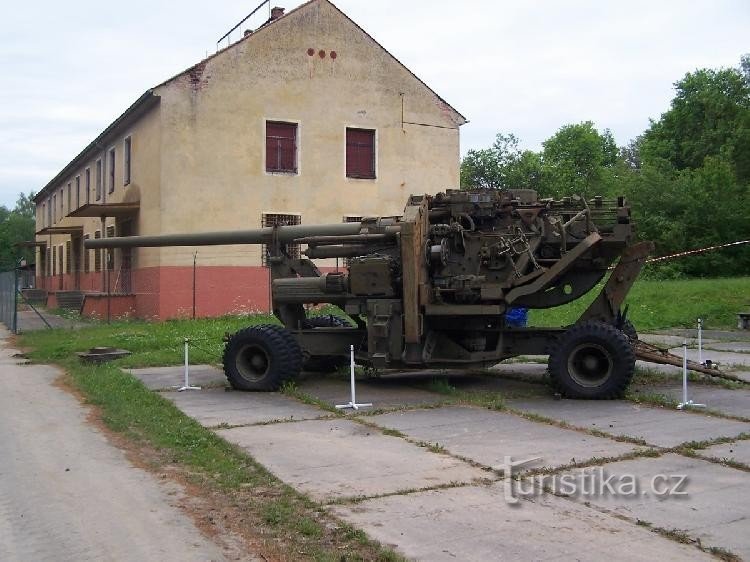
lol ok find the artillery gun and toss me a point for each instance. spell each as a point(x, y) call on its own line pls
point(431, 288)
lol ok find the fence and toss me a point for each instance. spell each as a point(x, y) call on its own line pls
point(8, 293)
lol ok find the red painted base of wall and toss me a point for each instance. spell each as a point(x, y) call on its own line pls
point(118, 307)
point(161, 293)
point(167, 292)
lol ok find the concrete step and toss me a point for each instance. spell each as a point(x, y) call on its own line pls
point(35, 296)
point(70, 299)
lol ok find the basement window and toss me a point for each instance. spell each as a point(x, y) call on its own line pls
point(281, 147)
point(280, 219)
point(360, 153)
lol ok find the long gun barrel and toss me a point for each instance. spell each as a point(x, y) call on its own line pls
point(285, 234)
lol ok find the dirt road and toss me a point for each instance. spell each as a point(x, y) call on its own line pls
point(68, 494)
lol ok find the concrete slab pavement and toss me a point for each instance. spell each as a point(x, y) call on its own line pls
point(487, 436)
point(334, 459)
point(388, 391)
point(733, 346)
point(712, 505)
point(656, 426)
point(169, 378)
point(476, 523)
point(723, 358)
point(217, 406)
point(738, 451)
point(733, 402)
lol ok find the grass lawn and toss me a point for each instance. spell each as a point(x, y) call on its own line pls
point(667, 304)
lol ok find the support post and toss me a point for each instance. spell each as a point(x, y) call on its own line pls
point(353, 402)
point(186, 385)
point(685, 402)
point(195, 261)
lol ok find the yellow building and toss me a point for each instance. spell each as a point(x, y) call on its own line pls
point(308, 119)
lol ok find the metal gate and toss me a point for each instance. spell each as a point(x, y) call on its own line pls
point(8, 292)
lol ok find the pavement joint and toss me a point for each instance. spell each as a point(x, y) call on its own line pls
point(352, 500)
point(674, 534)
point(270, 422)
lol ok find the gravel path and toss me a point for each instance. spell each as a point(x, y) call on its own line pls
point(68, 494)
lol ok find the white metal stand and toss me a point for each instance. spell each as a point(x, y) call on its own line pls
point(187, 386)
point(353, 403)
point(685, 402)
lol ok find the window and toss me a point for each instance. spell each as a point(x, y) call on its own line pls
point(68, 258)
point(60, 259)
point(126, 164)
point(87, 184)
point(108, 253)
point(62, 203)
point(97, 253)
point(281, 147)
point(86, 259)
point(54, 261)
point(360, 153)
point(49, 212)
point(70, 201)
point(274, 219)
point(78, 191)
point(44, 214)
point(54, 208)
point(99, 179)
point(111, 170)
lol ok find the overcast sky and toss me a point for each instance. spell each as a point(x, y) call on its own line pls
point(69, 68)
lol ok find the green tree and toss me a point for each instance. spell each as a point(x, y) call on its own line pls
point(576, 160)
point(16, 226)
point(503, 165)
point(709, 116)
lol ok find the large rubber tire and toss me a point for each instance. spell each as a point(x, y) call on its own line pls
point(592, 360)
point(324, 363)
point(261, 358)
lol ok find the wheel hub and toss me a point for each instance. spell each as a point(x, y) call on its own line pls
point(253, 362)
point(590, 364)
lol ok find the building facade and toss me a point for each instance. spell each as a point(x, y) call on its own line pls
point(306, 120)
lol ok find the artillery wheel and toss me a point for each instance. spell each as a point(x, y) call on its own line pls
point(592, 360)
point(324, 363)
point(261, 358)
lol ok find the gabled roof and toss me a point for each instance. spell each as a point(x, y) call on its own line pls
point(149, 98)
point(297, 9)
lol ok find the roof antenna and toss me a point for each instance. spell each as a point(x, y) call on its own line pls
point(226, 35)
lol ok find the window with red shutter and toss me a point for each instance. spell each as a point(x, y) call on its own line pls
point(281, 147)
point(360, 153)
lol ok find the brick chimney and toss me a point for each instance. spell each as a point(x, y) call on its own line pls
point(276, 13)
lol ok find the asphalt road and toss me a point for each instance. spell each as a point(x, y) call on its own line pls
point(67, 494)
